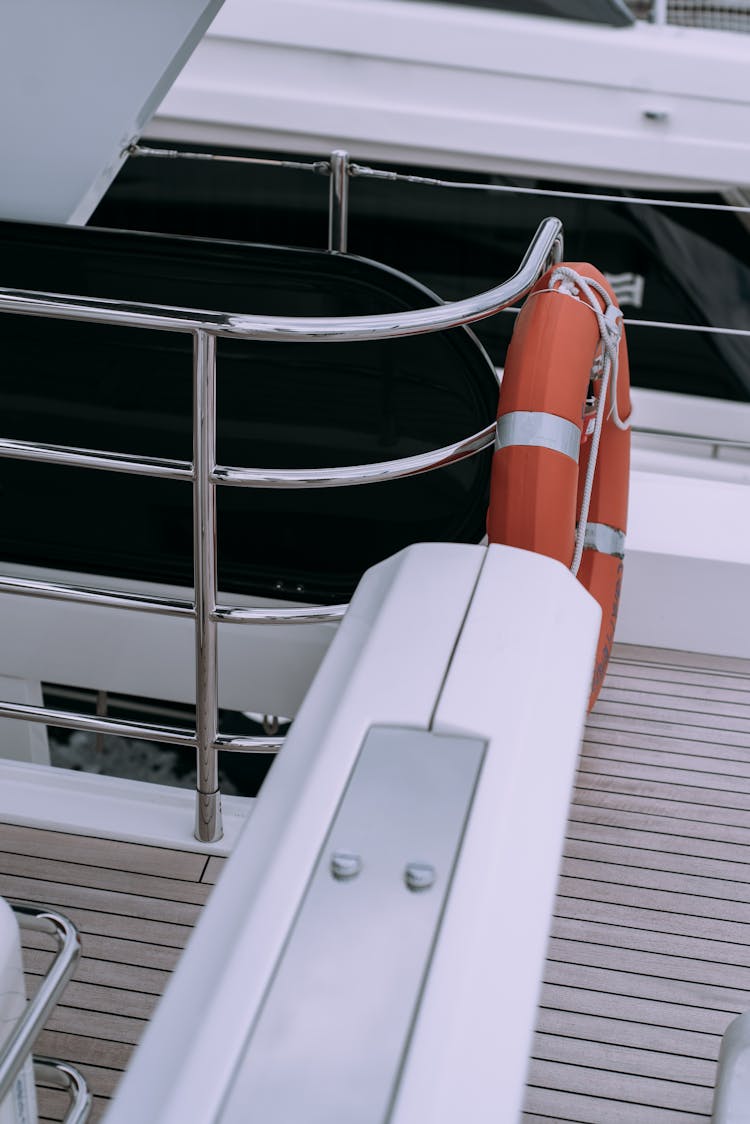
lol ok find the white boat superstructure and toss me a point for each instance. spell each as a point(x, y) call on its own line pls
point(653, 105)
point(64, 140)
point(375, 947)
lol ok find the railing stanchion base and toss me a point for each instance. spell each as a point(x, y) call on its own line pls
point(208, 822)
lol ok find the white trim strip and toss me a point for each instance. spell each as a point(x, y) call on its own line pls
point(540, 429)
point(604, 540)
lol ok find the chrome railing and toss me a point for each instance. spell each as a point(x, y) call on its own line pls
point(18, 1047)
point(733, 16)
point(205, 476)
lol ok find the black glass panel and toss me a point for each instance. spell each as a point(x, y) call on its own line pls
point(463, 242)
point(279, 405)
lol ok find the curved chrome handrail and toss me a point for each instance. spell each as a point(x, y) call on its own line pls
point(205, 326)
point(19, 1044)
point(545, 248)
point(71, 1081)
point(351, 474)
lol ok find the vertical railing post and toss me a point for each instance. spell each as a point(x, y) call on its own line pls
point(338, 201)
point(659, 14)
point(208, 826)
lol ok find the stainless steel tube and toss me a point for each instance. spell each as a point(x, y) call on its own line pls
point(95, 458)
point(19, 1045)
point(307, 329)
point(70, 720)
point(338, 202)
point(309, 614)
point(93, 595)
point(234, 743)
point(349, 475)
point(208, 826)
point(67, 1078)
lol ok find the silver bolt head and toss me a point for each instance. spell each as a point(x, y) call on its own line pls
point(345, 865)
point(419, 876)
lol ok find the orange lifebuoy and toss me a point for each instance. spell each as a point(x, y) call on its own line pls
point(543, 445)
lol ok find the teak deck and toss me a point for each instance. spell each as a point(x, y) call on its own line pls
point(649, 958)
point(134, 907)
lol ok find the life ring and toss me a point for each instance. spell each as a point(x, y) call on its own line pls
point(544, 440)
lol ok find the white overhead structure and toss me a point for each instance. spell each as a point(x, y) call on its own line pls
point(468, 87)
point(78, 83)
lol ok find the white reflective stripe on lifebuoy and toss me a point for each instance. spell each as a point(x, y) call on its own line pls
point(523, 427)
point(604, 539)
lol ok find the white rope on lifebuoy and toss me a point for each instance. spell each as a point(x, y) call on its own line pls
point(609, 320)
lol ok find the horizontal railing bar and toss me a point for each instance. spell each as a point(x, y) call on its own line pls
point(167, 735)
point(171, 607)
point(315, 614)
point(95, 458)
point(365, 172)
point(546, 246)
point(70, 720)
point(698, 438)
point(350, 475)
point(320, 167)
point(229, 743)
point(323, 167)
point(671, 325)
point(675, 327)
point(92, 595)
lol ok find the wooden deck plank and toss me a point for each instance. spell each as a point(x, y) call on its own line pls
point(635, 1061)
point(85, 1049)
point(134, 907)
point(732, 765)
point(100, 900)
point(649, 956)
point(704, 821)
point(130, 977)
point(96, 998)
point(111, 853)
point(691, 803)
point(687, 713)
point(635, 876)
point(683, 943)
point(703, 784)
point(585, 1031)
point(712, 998)
point(650, 858)
point(564, 1107)
point(610, 1004)
point(664, 965)
point(621, 685)
point(214, 867)
point(624, 654)
point(53, 1104)
point(110, 949)
point(96, 1024)
point(94, 877)
point(618, 1086)
point(608, 737)
point(679, 731)
point(122, 926)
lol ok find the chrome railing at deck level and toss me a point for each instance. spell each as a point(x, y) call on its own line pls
point(205, 476)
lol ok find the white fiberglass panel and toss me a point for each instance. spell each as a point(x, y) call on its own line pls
point(519, 679)
point(78, 83)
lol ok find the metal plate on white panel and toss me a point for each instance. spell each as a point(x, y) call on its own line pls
point(329, 1041)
